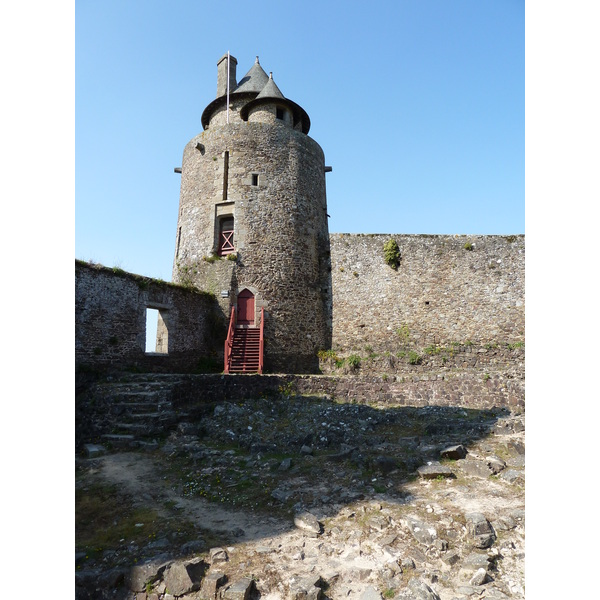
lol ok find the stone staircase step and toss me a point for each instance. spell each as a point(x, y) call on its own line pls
point(120, 440)
point(138, 408)
point(139, 427)
point(135, 397)
point(153, 416)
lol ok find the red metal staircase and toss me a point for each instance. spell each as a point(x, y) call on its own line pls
point(244, 347)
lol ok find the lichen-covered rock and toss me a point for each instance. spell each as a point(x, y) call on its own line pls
point(479, 578)
point(218, 555)
point(239, 590)
point(454, 452)
point(423, 533)
point(146, 572)
point(307, 522)
point(435, 470)
point(421, 591)
point(211, 584)
point(480, 530)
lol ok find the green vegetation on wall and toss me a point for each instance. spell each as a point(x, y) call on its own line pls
point(391, 253)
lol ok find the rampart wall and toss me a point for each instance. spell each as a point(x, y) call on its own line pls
point(453, 304)
point(110, 322)
point(447, 291)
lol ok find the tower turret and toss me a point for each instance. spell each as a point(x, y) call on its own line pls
point(252, 224)
point(254, 80)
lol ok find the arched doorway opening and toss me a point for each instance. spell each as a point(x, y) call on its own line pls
point(245, 308)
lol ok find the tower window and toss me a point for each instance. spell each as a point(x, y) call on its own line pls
point(225, 173)
point(254, 179)
point(279, 113)
point(178, 242)
point(225, 237)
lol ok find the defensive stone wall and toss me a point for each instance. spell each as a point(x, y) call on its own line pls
point(452, 303)
point(447, 292)
point(110, 322)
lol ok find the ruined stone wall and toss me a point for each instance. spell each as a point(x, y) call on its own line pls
point(110, 322)
point(448, 291)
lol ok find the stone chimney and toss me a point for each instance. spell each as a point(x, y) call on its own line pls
point(222, 75)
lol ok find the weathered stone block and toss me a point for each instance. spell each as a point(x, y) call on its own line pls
point(307, 522)
point(147, 572)
point(454, 452)
point(240, 590)
point(218, 555)
point(480, 530)
point(211, 584)
point(434, 471)
point(421, 591)
point(421, 532)
point(183, 578)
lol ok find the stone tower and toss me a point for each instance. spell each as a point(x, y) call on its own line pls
point(252, 225)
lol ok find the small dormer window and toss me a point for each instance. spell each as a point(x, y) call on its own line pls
point(279, 113)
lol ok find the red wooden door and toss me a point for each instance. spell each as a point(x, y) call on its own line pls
point(245, 307)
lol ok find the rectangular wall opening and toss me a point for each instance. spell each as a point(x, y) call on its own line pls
point(157, 338)
point(225, 173)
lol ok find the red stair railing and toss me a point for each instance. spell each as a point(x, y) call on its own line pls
point(229, 340)
point(260, 353)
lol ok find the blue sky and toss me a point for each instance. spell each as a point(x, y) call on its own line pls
point(418, 106)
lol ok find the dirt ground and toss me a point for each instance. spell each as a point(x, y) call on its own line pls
point(238, 480)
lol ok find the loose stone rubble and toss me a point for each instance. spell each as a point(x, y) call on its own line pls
point(304, 498)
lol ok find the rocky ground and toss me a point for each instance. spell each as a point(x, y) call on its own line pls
point(295, 497)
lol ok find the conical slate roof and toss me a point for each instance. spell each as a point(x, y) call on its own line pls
point(270, 90)
point(255, 89)
point(254, 80)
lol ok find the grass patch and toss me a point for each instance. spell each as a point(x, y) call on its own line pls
point(414, 358)
point(105, 520)
point(353, 362)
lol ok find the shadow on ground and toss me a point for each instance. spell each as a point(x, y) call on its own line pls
point(240, 472)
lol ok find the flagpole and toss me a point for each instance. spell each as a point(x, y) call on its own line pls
point(228, 87)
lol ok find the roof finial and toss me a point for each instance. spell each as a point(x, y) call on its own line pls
point(256, 61)
point(271, 75)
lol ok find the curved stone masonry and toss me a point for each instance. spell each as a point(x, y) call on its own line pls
point(269, 176)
